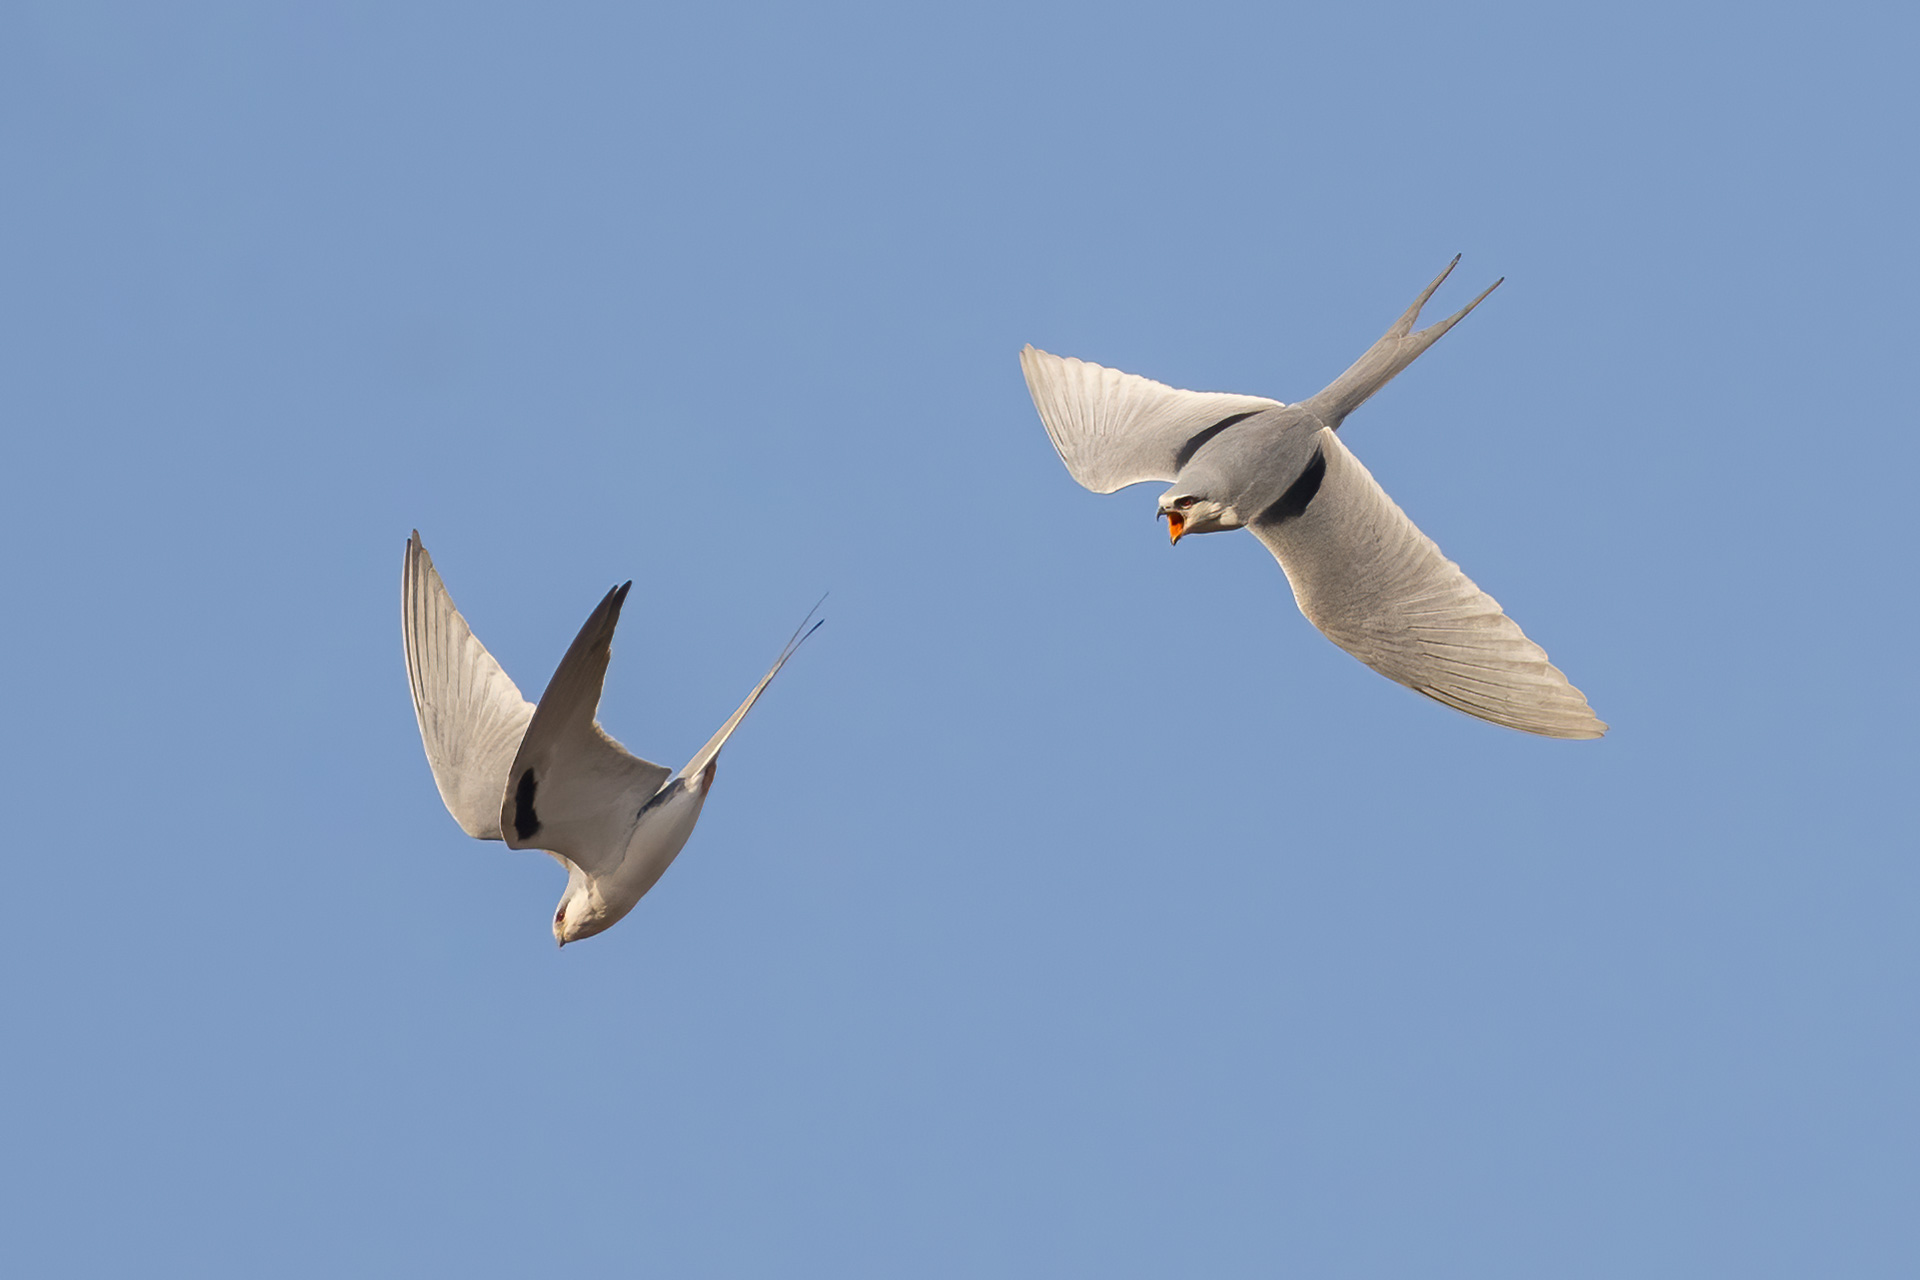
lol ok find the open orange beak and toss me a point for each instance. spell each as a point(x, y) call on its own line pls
point(1176, 525)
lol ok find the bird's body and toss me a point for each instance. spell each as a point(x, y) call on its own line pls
point(549, 777)
point(660, 831)
point(1249, 467)
point(1361, 571)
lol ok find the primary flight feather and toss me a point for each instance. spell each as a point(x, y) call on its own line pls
point(548, 777)
point(1361, 571)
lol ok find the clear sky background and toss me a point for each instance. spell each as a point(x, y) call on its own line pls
point(1070, 907)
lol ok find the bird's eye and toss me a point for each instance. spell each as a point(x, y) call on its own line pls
point(1184, 504)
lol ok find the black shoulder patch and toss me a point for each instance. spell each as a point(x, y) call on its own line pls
point(1192, 446)
point(660, 796)
point(1294, 501)
point(525, 823)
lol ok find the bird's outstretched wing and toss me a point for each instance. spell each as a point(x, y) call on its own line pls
point(571, 789)
point(471, 715)
point(704, 756)
point(1381, 590)
point(1114, 429)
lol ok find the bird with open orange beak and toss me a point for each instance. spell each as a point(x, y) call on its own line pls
point(1361, 571)
point(1189, 513)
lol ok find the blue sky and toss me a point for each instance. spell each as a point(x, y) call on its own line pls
point(1069, 907)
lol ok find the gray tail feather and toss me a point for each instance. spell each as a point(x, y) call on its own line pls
point(1398, 348)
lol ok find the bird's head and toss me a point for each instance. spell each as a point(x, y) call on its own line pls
point(579, 915)
point(1189, 510)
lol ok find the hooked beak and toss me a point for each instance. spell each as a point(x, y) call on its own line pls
point(1176, 525)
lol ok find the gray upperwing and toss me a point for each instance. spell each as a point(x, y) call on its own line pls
point(1380, 589)
point(571, 789)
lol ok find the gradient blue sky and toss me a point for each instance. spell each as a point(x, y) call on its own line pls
point(1070, 907)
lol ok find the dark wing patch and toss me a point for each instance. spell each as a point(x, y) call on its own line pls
point(661, 796)
point(525, 822)
point(1294, 501)
point(1193, 445)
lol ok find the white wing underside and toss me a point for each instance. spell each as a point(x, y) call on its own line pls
point(1380, 589)
point(571, 789)
point(471, 715)
point(1114, 429)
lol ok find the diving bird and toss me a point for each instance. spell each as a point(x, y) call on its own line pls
point(549, 777)
point(1361, 572)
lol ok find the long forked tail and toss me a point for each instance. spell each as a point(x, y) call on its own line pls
point(703, 757)
point(1397, 349)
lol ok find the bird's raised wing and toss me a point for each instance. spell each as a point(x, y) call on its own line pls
point(1381, 590)
point(571, 789)
point(1114, 429)
point(471, 715)
point(704, 756)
